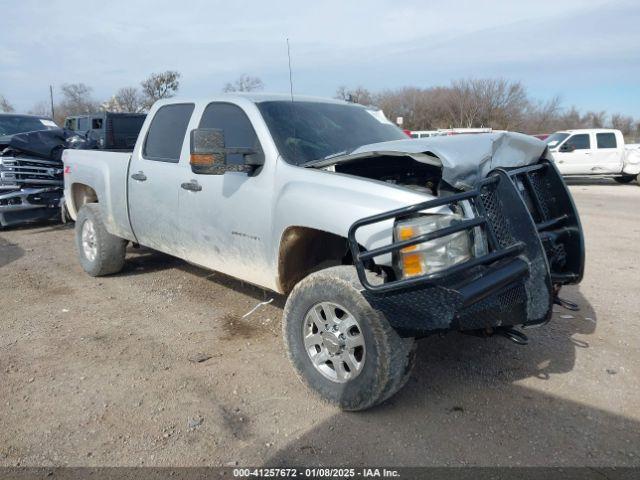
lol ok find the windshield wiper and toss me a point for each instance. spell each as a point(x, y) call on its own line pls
point(317, 161)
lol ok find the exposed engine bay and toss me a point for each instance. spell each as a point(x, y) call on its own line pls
point(397, 170)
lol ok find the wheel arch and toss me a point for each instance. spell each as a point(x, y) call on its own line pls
point(81, 194)
point(303, 250)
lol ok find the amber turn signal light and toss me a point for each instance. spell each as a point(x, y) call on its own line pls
point(202, 159)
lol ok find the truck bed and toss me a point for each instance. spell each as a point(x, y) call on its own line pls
point(107, 173)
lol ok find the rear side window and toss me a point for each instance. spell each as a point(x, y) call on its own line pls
point(238, 131)
point(580, 142)
point(166, 133)
point(606, 140)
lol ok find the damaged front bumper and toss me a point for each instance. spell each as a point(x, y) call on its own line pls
point(535, 245)
point(29, 204)
point(30, 189)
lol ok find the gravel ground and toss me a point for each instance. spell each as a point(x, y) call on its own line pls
point(155, 366)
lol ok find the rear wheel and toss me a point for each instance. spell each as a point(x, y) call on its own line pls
point(625, 179)
point(341, 347)
point(99, 252)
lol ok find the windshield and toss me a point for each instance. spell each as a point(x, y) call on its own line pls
point(12, 124)
point(556, 139)
point(307, 131)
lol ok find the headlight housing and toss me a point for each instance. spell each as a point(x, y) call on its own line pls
point(434, 255)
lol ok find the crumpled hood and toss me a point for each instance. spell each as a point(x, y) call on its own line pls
point(465, 159)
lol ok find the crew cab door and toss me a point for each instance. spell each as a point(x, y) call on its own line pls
point(225, 220)
point(574, 156)
point(608, 154)
point(153, 186)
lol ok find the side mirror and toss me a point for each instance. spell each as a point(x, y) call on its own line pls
point(209, 154)
point(566, 147)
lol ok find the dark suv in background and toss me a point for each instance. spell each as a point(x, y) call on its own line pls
point(111, 131)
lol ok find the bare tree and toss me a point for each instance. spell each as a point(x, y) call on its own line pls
point(542, 117)
point(110, 105)
point(356, 95)
point(77, 99)
point(5, 106)
point(625, 124)
point(244, 83)
point(570, 119)
point(158, 86)
point(489, 102)
point(493, 103)
point(464, 104)
point(595, 119)
point(127, 99)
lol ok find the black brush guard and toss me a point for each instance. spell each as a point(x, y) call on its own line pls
point(534, 241)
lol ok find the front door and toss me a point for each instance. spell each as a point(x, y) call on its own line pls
point(153, 185)
point(225, 220)
point(574, 157)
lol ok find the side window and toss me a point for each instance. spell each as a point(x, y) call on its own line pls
point(166, 132)
point(83, 124)
point(580, 141)
point(96, 123)
point(606, 140)
point(238, 131)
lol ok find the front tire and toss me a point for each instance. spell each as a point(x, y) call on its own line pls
point(99, 252)
point(341, 347)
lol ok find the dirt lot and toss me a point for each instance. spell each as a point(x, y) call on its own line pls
point(105, 372)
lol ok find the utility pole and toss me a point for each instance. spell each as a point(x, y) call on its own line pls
point(51, 97)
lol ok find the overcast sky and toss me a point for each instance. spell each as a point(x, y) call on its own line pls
point(588, 52)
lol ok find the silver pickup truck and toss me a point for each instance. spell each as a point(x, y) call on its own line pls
point(376, 239)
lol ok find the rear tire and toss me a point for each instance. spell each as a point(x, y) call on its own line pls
point(99, 252)
point(625, 179)
point(351, 377)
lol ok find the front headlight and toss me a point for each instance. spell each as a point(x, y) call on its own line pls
point(434, 255)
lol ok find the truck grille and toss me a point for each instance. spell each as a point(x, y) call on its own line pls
point(498, 223)
point(551, 208)
point(29, 171)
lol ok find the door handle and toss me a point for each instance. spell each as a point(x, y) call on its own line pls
point(192, 186)
point(140, 176)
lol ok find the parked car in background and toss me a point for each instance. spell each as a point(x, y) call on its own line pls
point(14, 123)
point(30, 180)
point(376, 238)
point(594, 152)
point(111, 131)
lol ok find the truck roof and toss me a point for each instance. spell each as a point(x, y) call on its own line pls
point(255, 97)
point(588, 130)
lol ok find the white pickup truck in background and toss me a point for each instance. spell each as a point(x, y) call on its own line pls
point(595, 151)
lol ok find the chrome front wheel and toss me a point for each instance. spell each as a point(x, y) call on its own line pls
point(341, 346)
point(334, 341)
